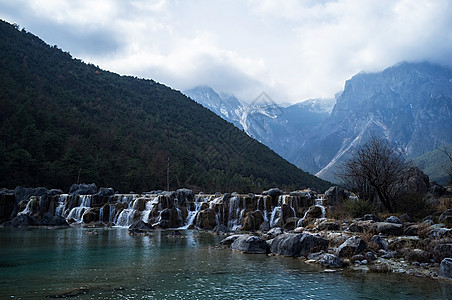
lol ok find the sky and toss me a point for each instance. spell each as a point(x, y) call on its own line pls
point(291, 50)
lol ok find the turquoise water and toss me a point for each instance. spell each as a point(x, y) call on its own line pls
point(110, 264)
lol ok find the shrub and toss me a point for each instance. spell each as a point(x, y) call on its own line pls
point(414, 205)
point(358, 208)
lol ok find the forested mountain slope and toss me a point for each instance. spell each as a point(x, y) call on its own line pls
point(63, 120)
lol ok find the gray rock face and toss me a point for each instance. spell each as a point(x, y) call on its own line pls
point(206, 219)
point(371, 217)
point(336, 194)
point(328, 225)
point(296, 245)
point(83, 189)
point(250, 244)
point(418, 255)
point(388, 228)
point(445, 269)
point(221, 229)
point(265, 226)
point(351, 246)
point(22, 221)
point(50, 220)
point(436, 190)
point(331, 260)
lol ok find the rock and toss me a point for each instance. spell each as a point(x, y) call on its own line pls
point(206, 219)
point(351, 246)
point(49, 220)
point(331, 260)
point(414, 181)
point(388, 228)
point(273, 192)
point(379, 242)
point(440, 233)
point(22, 221)
point(390, 254)
point(361, 226)
point(23, 194)
point(171, 218)
point(296, 245)
point(336, 194)
point(370, 256)
point(404, 218)
point(140, 227)
point(442, 251)
point(328, 225)
point(230, 239)
point(91, 215)
point(252, 221)
point(265, 226)
point(315, 212)
point(250, 244)
point(371, 217)
point(83, 189)
point(184, 196)
point(445, 269)
point(446, 218)
point(411, 230)
point(221, 229)
point(7, 203)
point(272, 233)
point(418, 255)
point(393, 219)
point(139, 204)
point(357, 258)
point(436, 190)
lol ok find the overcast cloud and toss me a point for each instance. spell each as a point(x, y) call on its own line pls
point(292, 50)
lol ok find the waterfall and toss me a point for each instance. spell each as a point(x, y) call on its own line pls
point(77, 212)
point(276, 214)
point(234, 213)
point(126, 217)
point(148, 209)
point(59, 210)
point(192, 215)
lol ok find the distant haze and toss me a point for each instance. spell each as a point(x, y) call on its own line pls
point(292, 50)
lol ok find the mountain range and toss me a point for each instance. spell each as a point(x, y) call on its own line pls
point(64, 121)
point(410, 104)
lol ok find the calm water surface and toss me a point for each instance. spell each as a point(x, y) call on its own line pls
point(110, 264)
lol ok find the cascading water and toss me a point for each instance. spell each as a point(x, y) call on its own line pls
point(77, 212)
point(276, 214)
point(234, 220)
point(192, 215)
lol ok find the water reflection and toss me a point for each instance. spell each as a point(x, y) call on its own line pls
point(109, 263)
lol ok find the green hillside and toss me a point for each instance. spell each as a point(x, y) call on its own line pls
point(62, 119)
point(434, 164)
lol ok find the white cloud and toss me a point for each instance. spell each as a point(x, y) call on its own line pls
point(291, 49)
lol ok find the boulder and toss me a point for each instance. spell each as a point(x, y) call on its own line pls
point(393, 219)
point(440, 233)
point(91, 215)
point(404, 218)
point(446, 218)
point(418, 255)
point(22, 221)
point(273, 192)
point(442, 251)
point(328, 225)
point(252, 221)
point(411, 230)
point(272, 233)
point(102, 196)
point(361, 226)
point(380, 242)
point(230, 239)
point(83, 189)
point(49, 220)
point(371, 217)
point(171, 218)
point(206, 219)
point(351, 246)
point(250, 244)
point(140, 226)
point(221, 229)
point(184, 196)
point(265, 226)
point(315, 212)
point(336, 194)
point(388, 228)
point(331, 260)
point(296, 245)
point(436, 190)
point(414, 181)
point(7, 203)
point(445, 269)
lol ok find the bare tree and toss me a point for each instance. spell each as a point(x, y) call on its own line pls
point(447, 168)
point(373, 170)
